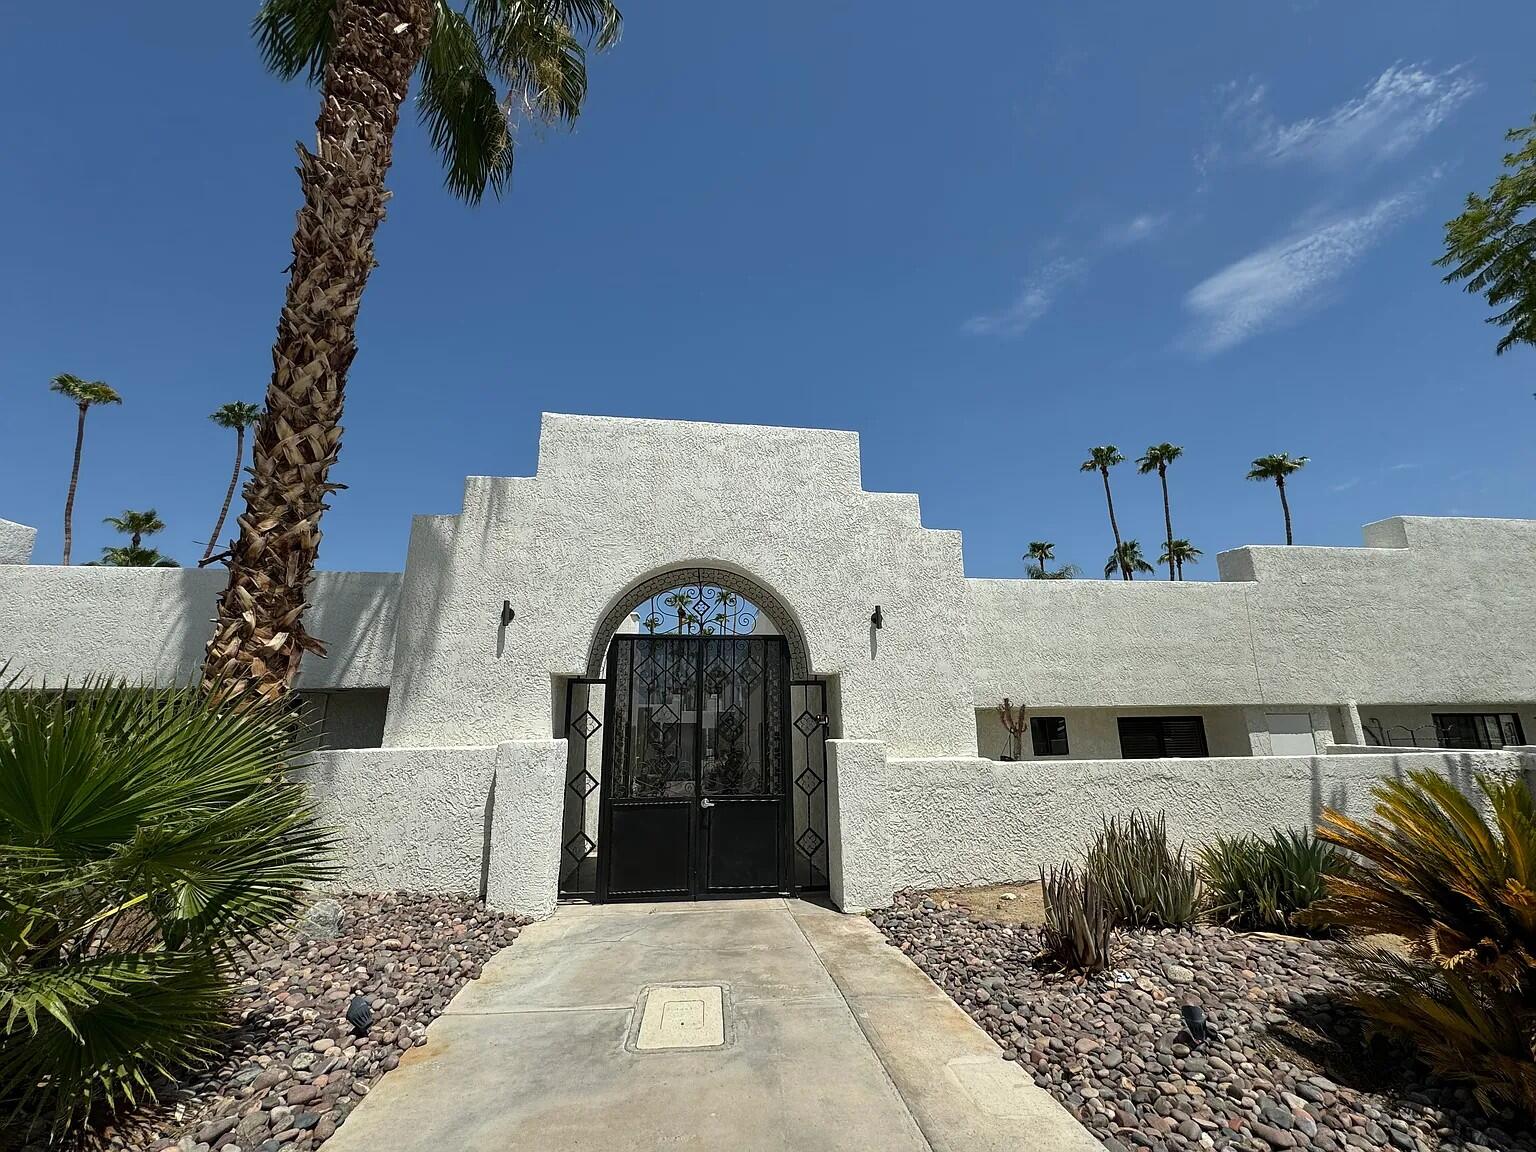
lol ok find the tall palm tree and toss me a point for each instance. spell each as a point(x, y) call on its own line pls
point(238, 415)
point(1277, 466)
point(1157, 459)
point(1041, 551)
point(362, 54)
point(1101, 460)
point(1128, 559)
point(136, 526)
point(85, 394)
point(1178, 553)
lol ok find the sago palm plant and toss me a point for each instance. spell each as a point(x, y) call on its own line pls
point(143, 836)
point(1460, 888)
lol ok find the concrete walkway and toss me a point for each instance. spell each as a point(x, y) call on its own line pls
point(600, 1030)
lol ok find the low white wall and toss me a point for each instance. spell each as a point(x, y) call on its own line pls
point(483, 820)
point(966, 821)
point(16, 541)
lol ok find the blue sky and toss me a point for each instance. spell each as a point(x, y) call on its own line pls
point(984, 245)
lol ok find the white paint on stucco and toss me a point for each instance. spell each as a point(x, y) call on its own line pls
point(152, 624)
point(16, 542)
point(615, 502)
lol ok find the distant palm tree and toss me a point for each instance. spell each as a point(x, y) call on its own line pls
point(1128, 558)
point(237, 415)
point(1157, 459)
point(1178, 553)
point(136, 526)
point(84, 393)
point(1041, 551)
point(1277, 466)
point(1101, 460)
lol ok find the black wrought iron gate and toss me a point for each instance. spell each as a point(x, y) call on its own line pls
point(696, 768)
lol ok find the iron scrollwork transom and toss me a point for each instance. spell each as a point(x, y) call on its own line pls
point(700, 601)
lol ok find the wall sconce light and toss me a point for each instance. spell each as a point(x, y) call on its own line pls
point(507, 615)
point(876, 618)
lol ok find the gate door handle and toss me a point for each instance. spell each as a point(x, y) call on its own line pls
point(706, 803)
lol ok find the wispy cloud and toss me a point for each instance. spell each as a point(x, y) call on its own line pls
point(1034, 300)
point(1345, 485)
point(1397, 110)
point(1040, 289)
point(1271, 285)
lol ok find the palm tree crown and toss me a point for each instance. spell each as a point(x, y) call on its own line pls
point(1158, 457)
point(237, 415)
point(84, 392)
point(1127, 558)
point(136, 525)
point(537, 51)
point(1277, 466)
point(1102, 459)
point(1040, 552)
point(1179, 553)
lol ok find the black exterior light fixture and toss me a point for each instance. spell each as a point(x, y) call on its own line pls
point(1194, 1022)
point(876, 618)
point(507, 615)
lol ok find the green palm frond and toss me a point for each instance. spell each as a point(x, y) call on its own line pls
point(1101, 459)
point(143, 834)
point(84, 392)
point(236, 414)
point(1158, 456)
point(1276, 466)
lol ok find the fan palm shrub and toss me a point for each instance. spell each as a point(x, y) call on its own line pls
point(1269, 883)
point(143, 837)
point(1459, 887)
point(1148, 883)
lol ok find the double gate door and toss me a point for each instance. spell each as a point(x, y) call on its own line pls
point(695, 798)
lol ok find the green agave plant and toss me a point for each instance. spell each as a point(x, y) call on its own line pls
point(143, 836)
point(1459, 887)
point(1148, 883)
point(1267, 883)
point(1079, 919)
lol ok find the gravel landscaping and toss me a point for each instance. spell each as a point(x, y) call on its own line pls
point(295, 1067)
point(1286, 1067)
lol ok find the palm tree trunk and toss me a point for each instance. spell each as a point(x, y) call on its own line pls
point(259, 638)
point(1285, 506)
point(74, 479)
point(1162, 474)
point(229, 494)
point(1113, 527)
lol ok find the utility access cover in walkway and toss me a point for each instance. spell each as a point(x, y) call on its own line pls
point(753, 1025)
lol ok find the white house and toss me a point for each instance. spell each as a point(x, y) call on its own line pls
point(697, 659)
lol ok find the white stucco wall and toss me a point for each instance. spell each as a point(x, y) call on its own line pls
point(482, 820)
point(968, 821)
point(151, 624)
point(1434, 610)
point(16, 542)
point(617, 501)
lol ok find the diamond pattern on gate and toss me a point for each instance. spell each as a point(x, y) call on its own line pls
point(586, 724)
point(586, 843)
point(808, 781)
point(809, 842)
point(583, 784)
point(807, 723)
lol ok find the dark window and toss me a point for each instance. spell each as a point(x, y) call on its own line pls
point(1049, 734)
point(1156, 737)
point(1477, 729)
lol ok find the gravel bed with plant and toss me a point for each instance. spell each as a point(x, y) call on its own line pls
point(1284, 1065)
point(294, 1066)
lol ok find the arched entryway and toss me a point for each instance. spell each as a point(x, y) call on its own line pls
point(697, 760)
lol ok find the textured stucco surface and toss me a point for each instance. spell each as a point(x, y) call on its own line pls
point(465, 819)
point(407, 817)
point(151, 624)
point(1432, 610)
point(858, 825)
point(968, 821)
point(615, 502)
point(16, 542)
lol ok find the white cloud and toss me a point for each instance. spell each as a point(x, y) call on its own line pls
point(1041, 288)
point(1268, 286)
point(1397, 110)
point(1034, 300)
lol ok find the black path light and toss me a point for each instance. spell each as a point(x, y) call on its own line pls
point(360, 1015)
point(1194, 1022)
